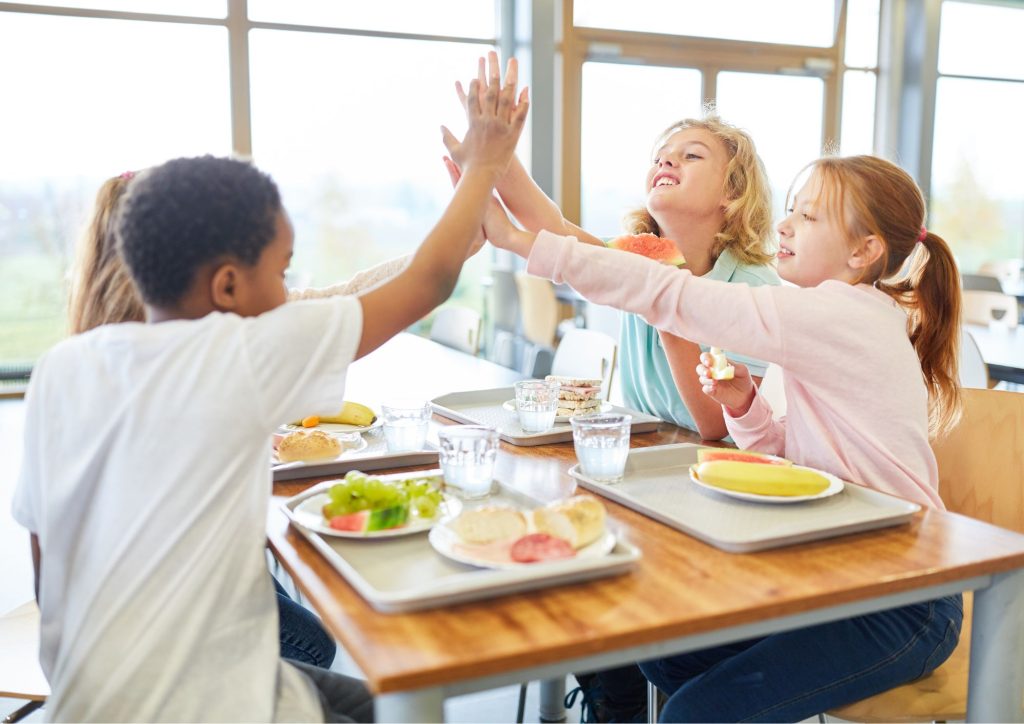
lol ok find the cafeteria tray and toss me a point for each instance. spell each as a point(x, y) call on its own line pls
point(657, 484)
point(374, 456)
point(484, 407)
point(401, 574)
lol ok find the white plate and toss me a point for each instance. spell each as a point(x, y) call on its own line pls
point(332, 427)
point(510, 405)
point(446, 542)
point(835, 485)
point(309, 514)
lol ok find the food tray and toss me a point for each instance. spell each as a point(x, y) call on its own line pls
point(484, 407)
point(374, 456)
point(657, 484)
point(402, 574)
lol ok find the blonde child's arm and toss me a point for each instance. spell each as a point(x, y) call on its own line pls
point(495, 122)
point(683, 355)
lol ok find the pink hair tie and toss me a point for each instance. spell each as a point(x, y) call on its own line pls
point(922, 235)
point(127, 175)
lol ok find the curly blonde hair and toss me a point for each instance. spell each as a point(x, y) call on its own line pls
point(747, 229)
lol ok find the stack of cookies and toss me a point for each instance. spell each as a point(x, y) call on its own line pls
point(577, 395)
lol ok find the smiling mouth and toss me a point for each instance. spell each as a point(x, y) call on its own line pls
point(784, 253)
point(664, 181)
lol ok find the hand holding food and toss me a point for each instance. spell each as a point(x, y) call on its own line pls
point(720, 368)
point(735, 393)
point(653, 247)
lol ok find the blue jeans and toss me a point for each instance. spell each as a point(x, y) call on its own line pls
point(794, 675)
point(303, 637)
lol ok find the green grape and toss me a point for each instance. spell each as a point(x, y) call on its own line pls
point(424, 507)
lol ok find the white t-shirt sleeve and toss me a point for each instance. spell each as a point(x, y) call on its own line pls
point(299, 354)
point(26, 506)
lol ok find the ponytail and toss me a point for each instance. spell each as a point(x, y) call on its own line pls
point(930, 292)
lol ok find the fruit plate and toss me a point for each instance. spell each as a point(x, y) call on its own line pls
point(835, 485)
point(332, 427)
point(308, 514)
point(510, 405)
point(446, 542)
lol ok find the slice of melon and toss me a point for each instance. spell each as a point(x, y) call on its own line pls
point(651, 246)
point(366, 521)
point(712, 454)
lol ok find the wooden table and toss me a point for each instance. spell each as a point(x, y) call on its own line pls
point(683, 596)
point(1002, 349)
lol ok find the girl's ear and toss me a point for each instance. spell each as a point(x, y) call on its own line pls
point(869, 252)
point(224, 288)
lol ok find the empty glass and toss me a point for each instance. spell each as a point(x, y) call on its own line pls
point(405, 424)
point(536, 403)
point(467, 458)
point(602, 445)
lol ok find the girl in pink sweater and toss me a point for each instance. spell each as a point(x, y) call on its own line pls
point(868, 341)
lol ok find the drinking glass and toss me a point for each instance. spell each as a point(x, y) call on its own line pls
point(405, 424)
point(602, 445)
point(467, 458)
point(537, 403)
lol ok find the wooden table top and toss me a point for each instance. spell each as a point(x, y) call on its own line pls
point(680, 587)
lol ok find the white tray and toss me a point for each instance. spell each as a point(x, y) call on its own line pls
point(485, 407)
point(374, 456)
point(396, 575)
point(657, 484)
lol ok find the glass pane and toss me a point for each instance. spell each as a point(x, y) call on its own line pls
point(787, 141)
point(862, 33)
point(461, 18)
point(195, 8)
point(799, 22)
point(71, 125)
point(858, 131)
point(618, 138)
point(357, 155)
point(978, 39)
point(977, 198)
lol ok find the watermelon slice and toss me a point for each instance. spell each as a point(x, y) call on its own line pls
point(366, 521)
point(651, 246)
point(713, 454)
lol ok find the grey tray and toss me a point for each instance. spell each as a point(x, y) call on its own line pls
point(402, 574)
point(374, 456)
point(484, 407)
point(657, 484)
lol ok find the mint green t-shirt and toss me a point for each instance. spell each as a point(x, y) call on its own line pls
point(647, 383)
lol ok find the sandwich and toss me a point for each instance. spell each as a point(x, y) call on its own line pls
point(577, 395)
point(489, 524)
point(579, 520)
point(302, 445)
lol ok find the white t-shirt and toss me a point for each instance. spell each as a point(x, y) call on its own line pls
point(147, 478)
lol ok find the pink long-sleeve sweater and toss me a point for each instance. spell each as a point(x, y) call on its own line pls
point(857, 405)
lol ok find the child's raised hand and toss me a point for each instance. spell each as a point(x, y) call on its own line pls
point(736, 394)
point(454, 174)
point(498, 228)
point(496, 118)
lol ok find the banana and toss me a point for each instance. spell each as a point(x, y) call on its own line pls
point(761, 479)
point(352, 413)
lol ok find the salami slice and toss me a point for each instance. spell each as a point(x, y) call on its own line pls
point(540, 547)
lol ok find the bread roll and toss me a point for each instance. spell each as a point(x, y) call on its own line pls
point(488, 524)
point(579, 520)
point(315, 445)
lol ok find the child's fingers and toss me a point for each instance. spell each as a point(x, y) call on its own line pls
point(450, 141)
point(493, 69)
point(705, 359)
point(506, 102)
point(492, 94)
point(473, 99)
point(520, 111)
point(453, 171)
point(461, 93)
point(512, 72)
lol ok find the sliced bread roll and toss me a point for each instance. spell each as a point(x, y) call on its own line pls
point(488, 524)
point(315, 445)
point(579, 520)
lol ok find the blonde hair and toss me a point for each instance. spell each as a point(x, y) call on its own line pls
point(102, 292)
point(878, 198)
point(747, 229)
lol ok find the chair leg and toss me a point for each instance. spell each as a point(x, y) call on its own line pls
point(822, 719)
point(521, 710)
point(652, 703)
point(21, 713)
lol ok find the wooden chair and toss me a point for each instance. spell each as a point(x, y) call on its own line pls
point(458, 328)
point(20, 674)
point(979, 476)
point(586, 353)
point(539, 308)
point(988, 307)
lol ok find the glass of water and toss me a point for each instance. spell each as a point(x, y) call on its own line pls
point(467, 458)
point(602, 445)
point(405, 424)
point(536, 403)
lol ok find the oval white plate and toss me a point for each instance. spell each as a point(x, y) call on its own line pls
point(309, 514)
point(835, 485)
point(333, 427)
point(510, 406)
point(446, 542)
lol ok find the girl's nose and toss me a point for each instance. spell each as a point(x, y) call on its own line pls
point(783, 227)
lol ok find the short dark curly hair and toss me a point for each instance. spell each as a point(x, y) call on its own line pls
point(186, 213)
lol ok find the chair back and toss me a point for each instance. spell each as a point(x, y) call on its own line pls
point(981, 461)
point(458, 328)
point(1007, 271)
point(539, 308)
point(772, 390)
point(973, 370)
point(987, 307)
point(981, 283)
point(586, 353)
